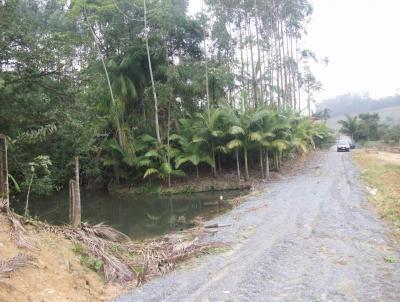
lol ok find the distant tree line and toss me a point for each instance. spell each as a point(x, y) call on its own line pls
point(356, 103)
point(367, 127)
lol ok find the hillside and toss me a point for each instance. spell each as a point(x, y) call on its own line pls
point(389, 115)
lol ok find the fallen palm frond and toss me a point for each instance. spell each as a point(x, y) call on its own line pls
point(14, 263)
point(121, 259)
point(162, 255)
point(104, 231)
point(97, 246)
point(18, 232)
point(124, 260)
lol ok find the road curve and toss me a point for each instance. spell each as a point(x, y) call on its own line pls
point(308, 237)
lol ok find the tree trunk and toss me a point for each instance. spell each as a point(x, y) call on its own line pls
point(253, 75)
point(214, 169)
point(289, 73)
point(247, 65)
point(264, 69)
point(293, 74)
point(308, 99)
point(284, 74)
point(261, 164)
point(277, 67)
point(237, 164)
point(4, 187)
point(71, 200)
point(271, 72)
point(168, 149)
point(244, 99)
point(76, 220)
point(26, 212)
point(281, 66)
point(206, 71)
point(197, 172)
point(246, 168)
point(259, 56)
point(119, 134)
point(298, 78)
point(267, 173)
point(151, 75)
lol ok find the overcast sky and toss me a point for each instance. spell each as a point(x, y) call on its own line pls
point(361, 39)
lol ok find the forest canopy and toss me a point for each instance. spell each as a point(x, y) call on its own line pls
point(141, 89)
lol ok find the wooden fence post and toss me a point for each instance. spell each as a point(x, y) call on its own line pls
point(75, 198)
point(4, 187)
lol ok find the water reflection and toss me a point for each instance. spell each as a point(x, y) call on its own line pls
point(137, 216)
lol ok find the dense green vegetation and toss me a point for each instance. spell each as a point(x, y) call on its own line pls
point(367, 127)
point(142, 90)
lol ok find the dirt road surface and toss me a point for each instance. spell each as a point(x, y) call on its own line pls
point(308, 237)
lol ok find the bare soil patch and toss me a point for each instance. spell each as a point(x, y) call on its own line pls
point(55, 274)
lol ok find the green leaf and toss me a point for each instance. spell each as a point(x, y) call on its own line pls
point(222, 149)
point(235, 130)
point(150, 171)
point(108, 162)
point(235, 143)
point(166, 168)
point(198, 139)
point(178, 173)
point(174, 137)
point(217, 133)
point(147, 138)
point(255, 136)
point(17, 188)
point(208, 160)
point(279, 144)
point(144, 162)
point(152, 153)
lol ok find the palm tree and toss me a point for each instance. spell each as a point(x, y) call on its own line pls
point(155, 158)
point(209, 132)
point(245, 129)
point(350, 125)
point(190, 152)
point(281, 131)
point(269, 125)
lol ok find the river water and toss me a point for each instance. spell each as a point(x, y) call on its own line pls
point(138, 216)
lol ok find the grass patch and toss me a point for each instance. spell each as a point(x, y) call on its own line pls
point(383, 176)
point(86, 260)
point(390, 259)
point(217, 250)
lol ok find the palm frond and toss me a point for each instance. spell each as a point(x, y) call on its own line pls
point(150, 171)
point(235, 130)
point(255, 136)
point(235, 143)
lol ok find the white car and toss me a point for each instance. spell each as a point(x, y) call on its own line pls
point(343, 146)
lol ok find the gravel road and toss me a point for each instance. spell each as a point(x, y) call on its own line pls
point(310, 236)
